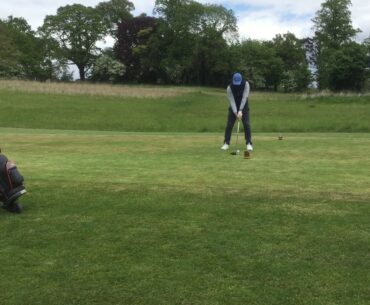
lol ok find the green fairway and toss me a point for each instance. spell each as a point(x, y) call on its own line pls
point(167, 218)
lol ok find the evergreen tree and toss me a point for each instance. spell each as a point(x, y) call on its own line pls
point(333, 29)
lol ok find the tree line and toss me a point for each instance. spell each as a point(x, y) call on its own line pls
point(187, 43)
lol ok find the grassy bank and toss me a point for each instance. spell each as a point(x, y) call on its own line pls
point(168, 109)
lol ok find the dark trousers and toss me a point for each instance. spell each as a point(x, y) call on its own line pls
point(231, 118)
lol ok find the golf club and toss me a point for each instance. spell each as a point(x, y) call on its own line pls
point(236, 152)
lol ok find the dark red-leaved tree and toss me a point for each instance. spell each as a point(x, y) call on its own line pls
point(132, 47)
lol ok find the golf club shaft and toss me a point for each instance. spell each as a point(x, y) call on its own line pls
point(237, 135)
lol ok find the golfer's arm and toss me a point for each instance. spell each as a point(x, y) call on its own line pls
point(245, 96)
point(231, 99)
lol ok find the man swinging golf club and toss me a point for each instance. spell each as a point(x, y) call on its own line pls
point(237, 94)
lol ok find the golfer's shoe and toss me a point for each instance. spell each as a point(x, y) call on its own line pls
point(225, 147)
point(249, 147)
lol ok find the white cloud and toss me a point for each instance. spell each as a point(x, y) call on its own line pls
point(265, 26)
point(360, 17)
point(34, 11)
point(143, 6)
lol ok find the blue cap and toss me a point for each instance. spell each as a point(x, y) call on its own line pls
point(237, 79)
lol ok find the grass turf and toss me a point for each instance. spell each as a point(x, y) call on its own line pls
point(194, 110)
point(167, 218)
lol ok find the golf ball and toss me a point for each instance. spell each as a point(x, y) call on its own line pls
point(237, 151)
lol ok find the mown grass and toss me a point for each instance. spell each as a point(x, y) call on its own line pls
point(131, 201)
point(182, 110)
point(146, 218)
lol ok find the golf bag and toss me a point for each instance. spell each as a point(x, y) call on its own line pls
point(11, 185)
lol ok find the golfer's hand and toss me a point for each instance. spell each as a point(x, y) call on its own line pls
point(239, 115)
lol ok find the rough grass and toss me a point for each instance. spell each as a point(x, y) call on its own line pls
point(148, 91)
point(168, 109)
point(91, 89)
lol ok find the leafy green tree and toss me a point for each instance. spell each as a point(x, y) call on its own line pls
point(302, 78)
point(290, 49)
point(29, 49)
point(348, 67)
point(333, 24)
point(106, 68)
point(210, 64)
point(77, 29)
point(333, 28)
point(36, 56)
point(54, 63)
point(190, 35)
point(366, 44)
point(261, 65)
point(211, 61)
point(175, 38)
point(18, 24)
point(292, 52)
point(9, 54)
point(115, 12)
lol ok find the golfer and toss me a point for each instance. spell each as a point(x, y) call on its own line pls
point(237, 94)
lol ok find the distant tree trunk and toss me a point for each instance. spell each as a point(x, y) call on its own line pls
point(81, 69)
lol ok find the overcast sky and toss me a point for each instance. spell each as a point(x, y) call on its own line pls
point(257, 19)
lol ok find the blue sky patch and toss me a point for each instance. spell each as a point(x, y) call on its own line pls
point(247, 7)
